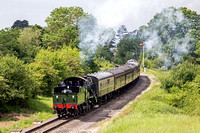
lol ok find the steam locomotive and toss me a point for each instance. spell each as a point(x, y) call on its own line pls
point(80, 94)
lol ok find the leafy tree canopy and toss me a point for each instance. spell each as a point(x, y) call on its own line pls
point(9, 43)
point(104, 51)
point(30, 41)
point(20, 24)
point(128, 48)
point(62, 26)
point(15, 79)
point(52, 66)
point(172, 35)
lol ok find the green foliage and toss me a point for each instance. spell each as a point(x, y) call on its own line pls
point(8, 42)
point(93, 66)
point(66, 60)
point(39, 108)
point(51, 66)
point(15, 79)
point(154, 63)
point(103, 64)
point(192, 98)
point(197, 51)
point(172, 35)
point(128, 48)
point(20, 24)
point(22, 43)
point(179, 75)
point(182, 84)
point(151, 113)
point(62, 26)
point(29, 40)
point(45, 76)
point(105, 53)
point(193, 17)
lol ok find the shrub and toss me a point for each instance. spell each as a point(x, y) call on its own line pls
point(191, 103)
point(16, 83)
point(182, 84)
point(179, 75)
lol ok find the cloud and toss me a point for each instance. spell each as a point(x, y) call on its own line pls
point(110, 13)
point(134, 13)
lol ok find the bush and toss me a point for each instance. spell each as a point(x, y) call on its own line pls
point(191, 103)
point(156, 63)
point(182, 85)
point(16, 83)
point(179, 75)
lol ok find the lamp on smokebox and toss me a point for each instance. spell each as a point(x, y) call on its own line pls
point(142, 44)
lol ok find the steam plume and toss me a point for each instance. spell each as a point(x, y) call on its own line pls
point(92, 35)
point(166, 25)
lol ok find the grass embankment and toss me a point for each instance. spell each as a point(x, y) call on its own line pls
point(152, 114)
point(38, 109)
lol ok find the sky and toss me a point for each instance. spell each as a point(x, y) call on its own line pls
point(109, 13)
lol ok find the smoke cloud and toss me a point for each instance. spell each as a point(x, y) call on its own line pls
point(166, 26)
point(92, 35)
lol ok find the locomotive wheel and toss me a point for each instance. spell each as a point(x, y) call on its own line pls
point(88, 107)
point(81, 110)
point(59, 116)
point(110, 95)
point(78, 111)
point(86, 110)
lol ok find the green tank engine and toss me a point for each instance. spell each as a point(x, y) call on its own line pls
point(76, 95)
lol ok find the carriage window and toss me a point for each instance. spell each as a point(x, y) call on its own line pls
point(100, 84)
point(108, 81)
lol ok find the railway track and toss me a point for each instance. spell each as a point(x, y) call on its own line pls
point(48, 125)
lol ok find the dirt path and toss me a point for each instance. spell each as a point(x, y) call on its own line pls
point(90, 123)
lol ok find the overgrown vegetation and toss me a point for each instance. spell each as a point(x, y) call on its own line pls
point(153, 112)
point(182, 85)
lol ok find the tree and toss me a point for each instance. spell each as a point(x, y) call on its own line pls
point(45, 77)
point(122, 31)
point(179, 75)
point(197, 51)
point(20, 24)
point(172, 35)
point(104, 51)
point(103, 64)
point(30, 41)
point(15, 79)
point(62, 26)
point(128, 48)
point(52, 66)
point(8, 42)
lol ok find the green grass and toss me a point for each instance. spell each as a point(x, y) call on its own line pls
point(38, 109)
point(152, 114)
point(162, 123)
